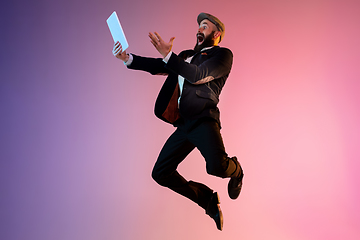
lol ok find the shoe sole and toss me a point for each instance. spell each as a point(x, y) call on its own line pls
point(220, 227)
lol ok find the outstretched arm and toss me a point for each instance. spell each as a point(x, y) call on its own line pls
point(214, 68)
point(154, 66)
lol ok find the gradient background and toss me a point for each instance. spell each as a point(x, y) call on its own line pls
point(79, 137)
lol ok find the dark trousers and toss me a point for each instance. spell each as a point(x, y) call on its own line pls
point(204, 134)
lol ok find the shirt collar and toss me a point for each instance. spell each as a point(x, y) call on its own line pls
point(206, 48)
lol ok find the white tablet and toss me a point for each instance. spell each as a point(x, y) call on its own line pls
point(117, 31)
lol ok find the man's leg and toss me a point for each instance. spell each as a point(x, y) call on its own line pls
point(173, 153)
point(207, 138)
point(176, 148)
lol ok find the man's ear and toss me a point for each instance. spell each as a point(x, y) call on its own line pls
point(217, 34)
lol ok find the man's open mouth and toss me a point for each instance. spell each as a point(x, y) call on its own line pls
point(200, 38)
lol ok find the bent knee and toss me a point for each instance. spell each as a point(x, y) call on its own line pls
point(155, 175)
point(158, 177)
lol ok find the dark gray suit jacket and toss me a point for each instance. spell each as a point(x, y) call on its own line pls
point(204, 77)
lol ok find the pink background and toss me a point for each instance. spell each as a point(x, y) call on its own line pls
point(79, 137)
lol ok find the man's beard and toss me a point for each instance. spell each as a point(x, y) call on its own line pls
point(208, 42)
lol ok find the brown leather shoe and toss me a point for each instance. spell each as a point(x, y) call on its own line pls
point(214, 211)
point(235, 184)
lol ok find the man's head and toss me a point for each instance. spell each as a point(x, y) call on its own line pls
point(211, 31)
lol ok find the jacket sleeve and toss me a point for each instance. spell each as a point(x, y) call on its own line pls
point(153, 66)
point(216, 66)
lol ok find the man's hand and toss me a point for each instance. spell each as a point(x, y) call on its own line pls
point(117, 51)
point(160, 45)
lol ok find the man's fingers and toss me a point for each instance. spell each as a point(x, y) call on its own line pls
point(154, 39)
point(158, 36)
point(117, 46)
point(117, 51)
point(155, 44)
point(163, 47)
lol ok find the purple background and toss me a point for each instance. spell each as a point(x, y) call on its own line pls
point(78, 136)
